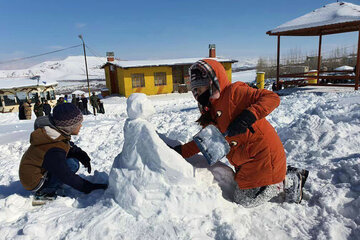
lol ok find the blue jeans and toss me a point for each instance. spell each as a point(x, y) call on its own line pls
point(52, 183)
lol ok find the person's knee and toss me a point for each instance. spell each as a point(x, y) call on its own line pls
point(73, 164)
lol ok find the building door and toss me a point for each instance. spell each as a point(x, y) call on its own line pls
point(113, 80)
point(178, 76)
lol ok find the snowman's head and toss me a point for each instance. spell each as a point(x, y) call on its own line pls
point(139, 106)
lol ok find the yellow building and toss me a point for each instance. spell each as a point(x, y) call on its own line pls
point(152, 76)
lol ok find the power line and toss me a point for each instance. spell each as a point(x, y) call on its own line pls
point(38, 55)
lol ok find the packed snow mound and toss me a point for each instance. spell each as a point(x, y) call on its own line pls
point(139, 106)
point(146, 170)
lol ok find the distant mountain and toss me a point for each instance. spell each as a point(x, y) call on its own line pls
point(71, 68)
point(244, 64)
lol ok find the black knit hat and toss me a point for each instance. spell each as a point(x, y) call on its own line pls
point(67, 117)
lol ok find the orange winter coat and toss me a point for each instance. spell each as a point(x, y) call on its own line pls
point(259, 158)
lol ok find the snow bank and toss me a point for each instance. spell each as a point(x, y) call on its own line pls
point(145, 172)
point(319, 130)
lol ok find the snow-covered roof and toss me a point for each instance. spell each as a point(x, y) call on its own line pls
point(9, 83)
point(334, 13)
point(345, 68)
point(163, 62)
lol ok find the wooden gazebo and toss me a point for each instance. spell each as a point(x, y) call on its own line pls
point(339, 17)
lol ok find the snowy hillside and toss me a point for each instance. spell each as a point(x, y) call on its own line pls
point(319, 130)
point(71, 68)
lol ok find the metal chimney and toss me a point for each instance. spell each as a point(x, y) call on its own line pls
point(110, 56)
point(212, 53)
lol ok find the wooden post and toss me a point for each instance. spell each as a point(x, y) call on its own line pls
point(357, 74)
point(278, 63)
point(319, 60)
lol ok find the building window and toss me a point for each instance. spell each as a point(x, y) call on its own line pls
point(21, 97)
point(138, 80)
point(160, 78)
point(51, 95)
point(33, 96)
point(1, 104)
point(9, 100)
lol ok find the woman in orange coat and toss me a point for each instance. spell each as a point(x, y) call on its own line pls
point(257, 153)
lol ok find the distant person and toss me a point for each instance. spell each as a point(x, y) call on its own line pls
point(74, 100)
point(28, 109)
point(38, 109)
point(52, 159)
point(47, 108)
point(60, 101)
point(21, 111)
point(94, 102)
point(101, 106)
point(65, 98)
point(273, 87)
point(85, 104)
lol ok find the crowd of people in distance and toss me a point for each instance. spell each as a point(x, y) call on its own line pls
point(43, 108)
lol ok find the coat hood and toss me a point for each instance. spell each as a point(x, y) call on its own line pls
point(220, 73)
point(40, 136)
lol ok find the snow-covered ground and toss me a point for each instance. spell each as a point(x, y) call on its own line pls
point(320, 131)
point(244, 76)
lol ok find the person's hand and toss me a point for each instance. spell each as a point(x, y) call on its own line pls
point(241, 123)
point(80, 155)
point(84, 158)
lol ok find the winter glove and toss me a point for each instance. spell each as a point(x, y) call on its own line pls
point(241, 123)
point(95, 186)
point(80, 155)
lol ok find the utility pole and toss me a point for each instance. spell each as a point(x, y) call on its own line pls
point(87, 74)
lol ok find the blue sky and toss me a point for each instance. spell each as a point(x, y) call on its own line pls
point(154, 29)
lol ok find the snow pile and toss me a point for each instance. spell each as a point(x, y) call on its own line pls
point(345, 68)
point(147, 174)
point(318, 127)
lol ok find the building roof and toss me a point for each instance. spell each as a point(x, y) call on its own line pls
point(332, 18)
point(9, 83)
point(162, 62)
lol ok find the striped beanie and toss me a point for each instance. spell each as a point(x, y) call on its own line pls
point(202, 74)
point(67, 117)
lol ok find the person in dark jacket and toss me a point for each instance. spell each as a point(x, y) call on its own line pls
point(84, 101)
point(52, 159)
point(38, 109)
point(101, 106)
point(94, 103)
point(74, 100)
point(47, 108)
point(60, 101)
point(22, 111)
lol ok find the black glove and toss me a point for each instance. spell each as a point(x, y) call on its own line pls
point(100, 186)
point(95, 186)
point(80, 155)
point(176, 148)
point(241, 123)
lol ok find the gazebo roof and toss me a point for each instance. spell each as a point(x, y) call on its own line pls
point(9, 83)
point(333, 18)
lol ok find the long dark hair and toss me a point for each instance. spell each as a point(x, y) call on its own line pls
point(205, 118)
